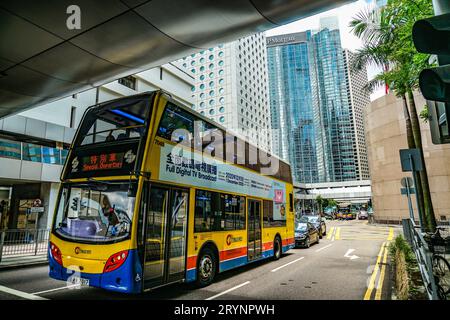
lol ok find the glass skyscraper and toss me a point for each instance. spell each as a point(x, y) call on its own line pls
point(291, 101)
point(309, 103)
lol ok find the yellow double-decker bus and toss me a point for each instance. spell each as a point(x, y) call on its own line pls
point(154, 193)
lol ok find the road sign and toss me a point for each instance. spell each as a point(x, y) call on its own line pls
point(405, 191)
point(407, 182)
point(408, 185)
point(411, 160)
point(37, 203)
point(36, 209)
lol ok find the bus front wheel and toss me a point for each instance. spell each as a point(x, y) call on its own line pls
point(277, 248)
point(206, 267)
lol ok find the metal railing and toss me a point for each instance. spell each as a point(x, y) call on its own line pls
point(23, 242)
point(423, 254)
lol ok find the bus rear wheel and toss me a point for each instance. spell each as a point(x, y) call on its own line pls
point(206, 267)
point(276, 248)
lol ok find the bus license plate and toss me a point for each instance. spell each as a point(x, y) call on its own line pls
point(79, 281)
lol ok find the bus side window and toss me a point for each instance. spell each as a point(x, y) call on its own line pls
point(177, 125)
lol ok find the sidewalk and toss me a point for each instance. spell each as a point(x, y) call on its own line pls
point(22, 261)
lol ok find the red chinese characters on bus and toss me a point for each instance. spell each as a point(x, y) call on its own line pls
point(106, 161)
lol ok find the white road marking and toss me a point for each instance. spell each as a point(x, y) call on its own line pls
point(57, 289)
point(327, 246)
point(352, 257)
point(21, 294)
point(229, 290)
point(285, 265)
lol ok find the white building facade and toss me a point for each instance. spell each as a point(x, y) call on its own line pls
point(359, 99)
point(231, 87)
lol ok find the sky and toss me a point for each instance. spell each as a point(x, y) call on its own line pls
point(345, 14)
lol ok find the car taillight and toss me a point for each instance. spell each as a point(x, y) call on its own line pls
point(56, 253)
point(115, 261)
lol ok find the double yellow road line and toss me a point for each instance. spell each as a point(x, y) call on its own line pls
point(382, 257)
point(334, 233)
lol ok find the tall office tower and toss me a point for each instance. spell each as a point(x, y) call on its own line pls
point(334, 138)
point(310, 105)
point(231, 87)
point(358, 98)
point(290, 92)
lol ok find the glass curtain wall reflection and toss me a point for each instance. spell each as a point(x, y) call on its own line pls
point(309, 104)
point(291, 105)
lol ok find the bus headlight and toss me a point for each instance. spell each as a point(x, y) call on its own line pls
point(115, 261)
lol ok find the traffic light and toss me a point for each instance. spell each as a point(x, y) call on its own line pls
point(75, 204)
point(432, 35)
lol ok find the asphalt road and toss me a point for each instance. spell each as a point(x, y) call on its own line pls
point(349, 263)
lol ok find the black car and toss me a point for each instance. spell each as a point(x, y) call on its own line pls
point(317, 222)
point(305, 234)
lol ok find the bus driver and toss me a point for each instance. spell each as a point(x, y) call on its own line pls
point(109, 212)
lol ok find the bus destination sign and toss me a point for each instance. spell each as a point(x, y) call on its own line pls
point(107, 161)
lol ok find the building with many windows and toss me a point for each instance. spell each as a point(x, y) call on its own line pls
point(290, 91)
point(311, 105)
point(358, 99)
point(34, 144)
point(231, 87)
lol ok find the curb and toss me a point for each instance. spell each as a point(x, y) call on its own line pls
point(23, 265)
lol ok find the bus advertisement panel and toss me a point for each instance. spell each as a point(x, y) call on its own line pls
point(195, 169)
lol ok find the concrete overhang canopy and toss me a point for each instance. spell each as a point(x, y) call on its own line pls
point(42, 60)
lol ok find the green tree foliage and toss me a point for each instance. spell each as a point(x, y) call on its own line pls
point(321, 202)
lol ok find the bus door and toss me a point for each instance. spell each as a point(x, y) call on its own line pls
point(165, 235)
point(254, 243)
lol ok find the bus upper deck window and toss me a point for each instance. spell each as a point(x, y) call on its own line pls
point(113, 123)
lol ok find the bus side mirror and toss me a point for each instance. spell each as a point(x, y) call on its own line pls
point(132, 190)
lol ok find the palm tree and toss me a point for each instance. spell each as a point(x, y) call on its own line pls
point(320, 201)
point(386, 34)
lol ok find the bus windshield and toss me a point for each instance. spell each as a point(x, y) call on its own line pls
point(95, 212)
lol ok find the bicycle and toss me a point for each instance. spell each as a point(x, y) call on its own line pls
point(439, 246)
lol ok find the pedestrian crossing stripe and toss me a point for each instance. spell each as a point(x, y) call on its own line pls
point(338, 233)
point(391, 234)
point(330, 233)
